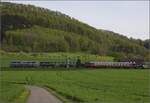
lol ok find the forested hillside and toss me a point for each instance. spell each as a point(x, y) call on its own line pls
point(33, 29)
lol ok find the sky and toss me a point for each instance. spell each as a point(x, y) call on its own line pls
point(129, 18)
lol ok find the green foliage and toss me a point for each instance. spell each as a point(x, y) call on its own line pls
point(47, 40)
point(147, 43)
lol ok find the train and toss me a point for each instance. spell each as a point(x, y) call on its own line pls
point(113, 64)
point(90, 64)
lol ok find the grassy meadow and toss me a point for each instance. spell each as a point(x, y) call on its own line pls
point(73, 85)
point(12, 93)
point(89, 86)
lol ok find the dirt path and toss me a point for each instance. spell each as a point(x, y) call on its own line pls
point(40, 95)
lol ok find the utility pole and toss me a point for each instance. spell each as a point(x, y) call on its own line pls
point(68, 62)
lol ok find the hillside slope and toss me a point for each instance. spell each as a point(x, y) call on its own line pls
point(34, 29)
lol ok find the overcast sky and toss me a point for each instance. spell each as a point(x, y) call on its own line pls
point(130, 18)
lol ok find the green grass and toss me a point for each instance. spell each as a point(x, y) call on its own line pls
point(97, 85)
point(12, 93)
point(6, 58)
